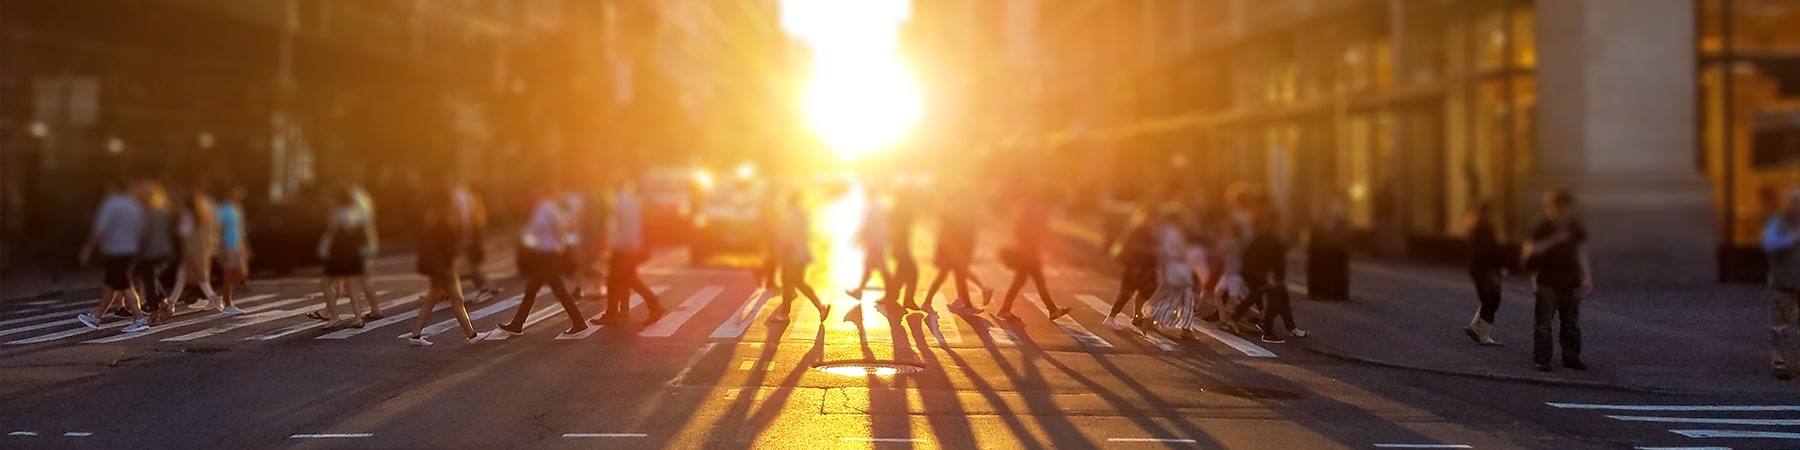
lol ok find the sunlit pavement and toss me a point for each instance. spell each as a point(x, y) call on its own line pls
point(715, 375)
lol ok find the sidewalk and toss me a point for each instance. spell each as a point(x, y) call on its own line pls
point(1707, 338)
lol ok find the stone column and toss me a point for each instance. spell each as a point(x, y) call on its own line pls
point(1616, 123)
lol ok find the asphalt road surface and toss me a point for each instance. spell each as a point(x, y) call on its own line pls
point(714, 374)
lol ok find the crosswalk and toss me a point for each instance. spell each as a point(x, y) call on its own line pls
point(695, 311)
point(1706, 421)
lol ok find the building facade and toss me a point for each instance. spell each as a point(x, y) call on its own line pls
point(1672, 120)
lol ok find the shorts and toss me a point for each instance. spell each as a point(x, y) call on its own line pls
point(345, 265)
point(117, 271)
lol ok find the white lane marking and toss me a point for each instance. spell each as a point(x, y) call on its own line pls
point(1001, 336)
point(804, 326)
point(57, 313)
point(943, 327)
point(1736, 434)
point(692, 361)
point(1422, 446)
point(1162, 440)
point(22, 433)
point(77, 434)
point(1072, 328)
point(1104, 308)
point(745, 315)
point(266, 317)
point(41, 326)
point(291, 329)
point(385, 321)
point(1732, 408)
point(680, 314)
point(605, 435)
point(636, 300)
point(197, 320)
point(1708, 420)
point(1682, 448)
point(1238, 343)
point(881, 440)
point(746, 364)
point(331, 435)
point(475, 315)
point(78, 330)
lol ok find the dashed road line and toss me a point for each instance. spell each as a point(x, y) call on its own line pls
point(331, 435)
point(881, 440)
point(1422, 446)
point(1155, 440)
point(605, 435)
point(1731, 408)
point(1708, 420)
point(77, 434)
point(1736, 434)
point(22, 433)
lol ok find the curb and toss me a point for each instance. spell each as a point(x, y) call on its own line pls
point(1543, 381)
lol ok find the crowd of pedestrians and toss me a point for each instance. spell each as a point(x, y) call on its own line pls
point(151, 249)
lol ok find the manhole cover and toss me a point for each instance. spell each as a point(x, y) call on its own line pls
point(869, 367)
point(1254, 393)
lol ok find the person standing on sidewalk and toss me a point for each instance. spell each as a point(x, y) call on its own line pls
point(1026, 256)
point(628, 251)
point(118, 231)
point(1781, 242)
point(540, 260)
point(1556, 255)
point(234, 247)
point(1486, 262)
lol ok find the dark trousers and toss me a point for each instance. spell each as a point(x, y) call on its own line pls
point(906, 280)
point(961, 279)
point(1276, 304)
point(536, 282)
point(622, 280)
point(1328, 272)
point(1561, 305)
point(1138, 281)
point(147, 276)
point(1487, 290)
point(1032, 271)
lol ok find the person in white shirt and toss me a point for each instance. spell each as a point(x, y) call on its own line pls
point(540, 261)
point(628, 252)
point(117, 233)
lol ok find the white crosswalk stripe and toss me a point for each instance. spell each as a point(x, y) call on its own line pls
point(265, 317)
point(382, 322)
point(636, 301)
point(80, 329)
point(193, 321)
point(1074, 329)
point(1104, 308)
point(746, 315)
point(679, 314)
point(943, 328)
point(1764, 410)
point(54, 323)
point(475, 315)
point(90, 304)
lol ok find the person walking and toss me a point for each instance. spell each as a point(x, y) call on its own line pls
point(906, 266)
point(628, 252)
point(1265, 274)
point(1135, 251)
point(793, 246)
point(371, 244)
point(155, 252)
point(540, 260)
point(234, 247)
point(471, 216)
point(1172, 303)
point(118, 232)
point(1026, 257)
point(872, 236)
point(1487, 261)
point(954, 252)
point(199, 231)
point(439, 244)
point(1556, 255)
point(1781, 243)
point(341, 249)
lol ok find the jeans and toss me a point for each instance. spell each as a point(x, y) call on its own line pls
point(1561, 305)
point(1784, 309)
point(1487, 290)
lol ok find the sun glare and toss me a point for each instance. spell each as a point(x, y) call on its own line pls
point(860, 97)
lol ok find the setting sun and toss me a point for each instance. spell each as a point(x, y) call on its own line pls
point(860, 97)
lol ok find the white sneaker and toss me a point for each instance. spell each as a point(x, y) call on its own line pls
point(136, 326)
point(417, 341)
point(89, 320)
point(201, 304)
point(1110, 323)
point(230, 311)
point(482, 336)
point(1298, 333)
